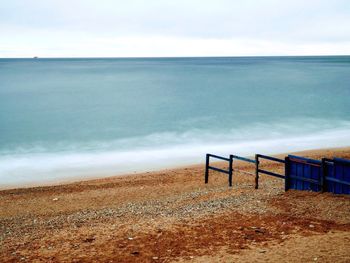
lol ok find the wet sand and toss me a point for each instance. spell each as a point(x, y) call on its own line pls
point(171, 215)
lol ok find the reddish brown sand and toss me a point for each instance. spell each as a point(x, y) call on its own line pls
point(172, 216)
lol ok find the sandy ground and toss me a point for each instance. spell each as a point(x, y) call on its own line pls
point(172, 216)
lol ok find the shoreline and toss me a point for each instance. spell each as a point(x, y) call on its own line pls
point(32, 168)
point(80, 178)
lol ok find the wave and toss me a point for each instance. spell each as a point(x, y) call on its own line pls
point(64, 161)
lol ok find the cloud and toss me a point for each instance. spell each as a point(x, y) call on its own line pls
point(172, 28)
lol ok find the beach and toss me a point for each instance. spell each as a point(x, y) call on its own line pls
point(172, 216)
point(183, 131)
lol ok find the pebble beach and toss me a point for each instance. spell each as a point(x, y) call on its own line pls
point(172, 216)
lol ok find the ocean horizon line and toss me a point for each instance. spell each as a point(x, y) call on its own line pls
point(168, 57)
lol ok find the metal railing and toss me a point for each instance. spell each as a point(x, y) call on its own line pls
point(339, 177)
point(208, 167)
point(230, 169)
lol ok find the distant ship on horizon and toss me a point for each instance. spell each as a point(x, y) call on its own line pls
point(35, 57)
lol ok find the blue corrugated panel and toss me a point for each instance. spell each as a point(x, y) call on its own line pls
point(338, 174)
point(300, 173)
point(346, 188)
point(307, 173)
point(316, 175)
point(304, 168)
point(330, 186)
point(342, 173)
point(292, 171)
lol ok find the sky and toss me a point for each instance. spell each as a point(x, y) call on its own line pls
point(170, 28)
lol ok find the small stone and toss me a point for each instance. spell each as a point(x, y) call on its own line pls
point(312, 226)
point(155, 258)
point(315, 259)
point(258, 230)
point(130, 238)
point(89, 239)
point(135, 253)
point(262, 251)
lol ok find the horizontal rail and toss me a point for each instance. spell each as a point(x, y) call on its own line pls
point(219, 157)
point(310, 180)
point(342, 161)
point(243, 159)
point(271, 173)
point(218, 169)
point(304, 162)
point(270, 158)
point(336, 180)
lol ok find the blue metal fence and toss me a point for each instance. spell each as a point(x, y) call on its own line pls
point(303, 174)
point(328, 175)
point(337, 177)
point(314, 175)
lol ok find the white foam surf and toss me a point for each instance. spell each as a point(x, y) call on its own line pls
point(158, 151)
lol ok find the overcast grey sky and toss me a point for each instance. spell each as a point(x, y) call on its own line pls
point(106, 28)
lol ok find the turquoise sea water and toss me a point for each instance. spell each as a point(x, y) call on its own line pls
point(61, 118)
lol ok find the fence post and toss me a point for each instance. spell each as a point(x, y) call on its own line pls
point(207, 168)
point(323, 175)
point(230, 170)
point(256, 171)
point(286, 173)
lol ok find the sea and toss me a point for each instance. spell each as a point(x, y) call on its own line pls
point(79, 118)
